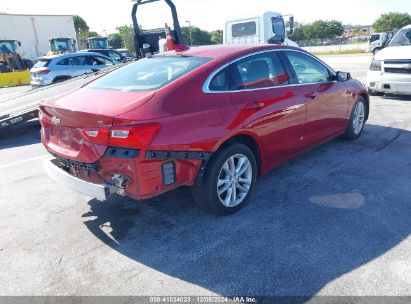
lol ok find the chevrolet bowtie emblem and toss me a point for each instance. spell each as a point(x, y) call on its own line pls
point(56, 121)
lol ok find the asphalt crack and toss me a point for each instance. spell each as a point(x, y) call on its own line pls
point(382, 147)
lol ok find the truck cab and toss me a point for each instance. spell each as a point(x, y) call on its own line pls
point(378, 41)
point(390, 69)
point(268, 27)
point(98, 43)
point(61, 46)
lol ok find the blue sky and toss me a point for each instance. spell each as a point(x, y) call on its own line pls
point(207, 14)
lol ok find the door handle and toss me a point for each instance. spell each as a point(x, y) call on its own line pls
point(311, 95)
point(255, 106)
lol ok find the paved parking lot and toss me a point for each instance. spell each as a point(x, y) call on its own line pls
point(335, 221)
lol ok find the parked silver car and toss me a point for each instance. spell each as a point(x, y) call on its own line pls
point(52, 69)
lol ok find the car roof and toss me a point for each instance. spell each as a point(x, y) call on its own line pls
point(228, 50)
point(68, 55)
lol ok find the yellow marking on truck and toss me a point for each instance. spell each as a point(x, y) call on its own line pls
point(13, 79)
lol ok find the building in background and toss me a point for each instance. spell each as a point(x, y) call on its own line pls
point(34, 31)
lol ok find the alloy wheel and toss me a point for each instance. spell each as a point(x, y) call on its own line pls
point(234, 180)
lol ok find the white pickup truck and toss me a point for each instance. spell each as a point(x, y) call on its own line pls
point(268, 27)
point(390, 70)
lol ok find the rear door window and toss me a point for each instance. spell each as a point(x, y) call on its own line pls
point(77, 61)
point(64, 61)
point(221, 81)
point(258, 71)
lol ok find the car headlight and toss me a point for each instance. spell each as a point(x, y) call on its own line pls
point(375, 65)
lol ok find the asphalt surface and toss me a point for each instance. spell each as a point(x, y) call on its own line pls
point(335, 221)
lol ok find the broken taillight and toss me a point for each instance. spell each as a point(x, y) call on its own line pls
point(134, 137)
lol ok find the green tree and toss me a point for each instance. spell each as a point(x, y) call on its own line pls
point(334, 29)
point(390, 21)
point(217, 37)
point(115, 41)
point(322, 29)
point(80, 25)
point(126, 33)
point(298, 34)
point(199, 36)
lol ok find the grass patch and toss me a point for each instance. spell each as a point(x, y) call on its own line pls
point(343, 52)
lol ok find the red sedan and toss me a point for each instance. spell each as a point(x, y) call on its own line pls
point(214, 118)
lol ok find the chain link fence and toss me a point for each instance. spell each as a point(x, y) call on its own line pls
point(338, 44)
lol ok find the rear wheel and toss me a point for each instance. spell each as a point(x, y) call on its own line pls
point(228, 181)
point(357, 119)
point(60, 79)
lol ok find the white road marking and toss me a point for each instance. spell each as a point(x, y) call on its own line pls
point(23, 161)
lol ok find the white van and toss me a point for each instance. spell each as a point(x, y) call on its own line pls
point(390, 70)
point(260, 29)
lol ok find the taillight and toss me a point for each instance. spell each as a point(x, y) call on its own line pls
point(43, 72)
point(137, 137)
point(97, 136)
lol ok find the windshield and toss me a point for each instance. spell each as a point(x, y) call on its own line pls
point(60, 45)
point(149, 73)
point(403, 37)
point(374, 37)
point(7, 47)
point(99, 43)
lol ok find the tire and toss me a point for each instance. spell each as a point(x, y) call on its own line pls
point(60, 79)
point(206, 194)
point(357, 119)
point(374, 93)
point(28, 63)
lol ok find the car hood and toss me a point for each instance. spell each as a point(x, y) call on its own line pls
point(394, 52)
point(101, 101)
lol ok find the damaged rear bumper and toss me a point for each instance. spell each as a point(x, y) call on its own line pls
point(100, 192)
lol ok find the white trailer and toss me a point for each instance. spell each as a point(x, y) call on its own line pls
point(268, 27)
point(34, 31)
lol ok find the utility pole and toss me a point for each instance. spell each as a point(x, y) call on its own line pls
point(189, 28)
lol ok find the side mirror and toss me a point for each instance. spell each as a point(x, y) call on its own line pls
point(19, 43)
point(276, 39)
point(343, 76)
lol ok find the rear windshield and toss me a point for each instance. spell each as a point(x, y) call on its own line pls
point(42, 63)
point(244, 29)
point(149, 73)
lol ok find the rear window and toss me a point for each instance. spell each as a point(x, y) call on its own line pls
point(42, 63)
point(244, 29)
point(149, 73)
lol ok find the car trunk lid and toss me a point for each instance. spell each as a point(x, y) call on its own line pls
point(64, 120)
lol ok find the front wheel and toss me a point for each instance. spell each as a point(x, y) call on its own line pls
point(357, 119)
point(228, 181)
